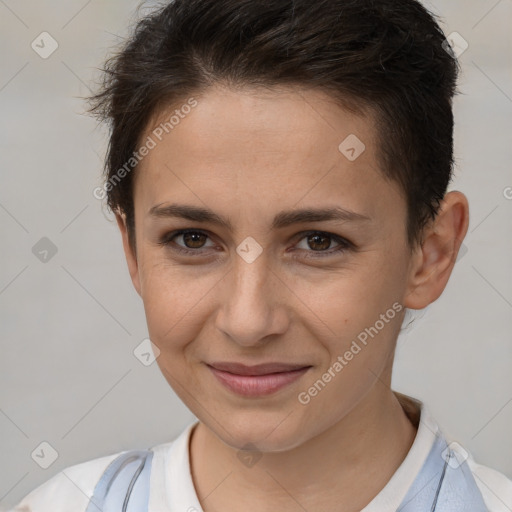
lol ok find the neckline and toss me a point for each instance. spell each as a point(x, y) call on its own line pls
point(181, 490)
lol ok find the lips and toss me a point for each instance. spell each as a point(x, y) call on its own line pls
point(256, 381)
point(260, 369)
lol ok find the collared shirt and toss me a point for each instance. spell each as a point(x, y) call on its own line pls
point(172, 488)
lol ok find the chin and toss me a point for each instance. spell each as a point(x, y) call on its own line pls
point(260, 432)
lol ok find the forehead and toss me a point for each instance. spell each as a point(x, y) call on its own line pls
point(286, 120)
point(254, 147)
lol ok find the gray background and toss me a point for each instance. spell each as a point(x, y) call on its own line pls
point(69, 326)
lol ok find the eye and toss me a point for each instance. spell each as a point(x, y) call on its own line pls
point(320, 241)
point(193, 240)
point(316, 243)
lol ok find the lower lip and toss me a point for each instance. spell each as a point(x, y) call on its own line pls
point(257, 385)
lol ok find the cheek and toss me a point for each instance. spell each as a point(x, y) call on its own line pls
point(173, 300)
point(345, 301)
point(356, 316)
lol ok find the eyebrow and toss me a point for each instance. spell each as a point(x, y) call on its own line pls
point(281, 220)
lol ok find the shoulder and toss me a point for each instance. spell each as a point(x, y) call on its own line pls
point(495, 487)
point(70, 489)
point(73, 487)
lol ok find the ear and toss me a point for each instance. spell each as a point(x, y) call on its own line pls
point(131, 257)
point(433, 261)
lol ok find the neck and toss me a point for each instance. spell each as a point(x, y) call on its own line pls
point(343, 468)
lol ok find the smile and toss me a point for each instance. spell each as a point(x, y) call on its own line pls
point(257, 385)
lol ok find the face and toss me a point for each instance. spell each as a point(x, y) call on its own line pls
point(258, 280)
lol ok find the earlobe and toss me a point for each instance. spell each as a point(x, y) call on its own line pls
point(131, 257)
point(433, 261)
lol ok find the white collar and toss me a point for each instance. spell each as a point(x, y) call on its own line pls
point(391, 497)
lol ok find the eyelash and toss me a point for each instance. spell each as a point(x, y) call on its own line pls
point(344, 245)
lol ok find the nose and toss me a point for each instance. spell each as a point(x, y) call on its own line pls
point(253, 306)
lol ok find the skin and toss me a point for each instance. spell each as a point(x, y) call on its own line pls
point(247, 155)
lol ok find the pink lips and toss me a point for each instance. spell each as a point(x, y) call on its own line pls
point(259, 380)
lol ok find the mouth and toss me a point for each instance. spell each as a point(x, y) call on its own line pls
point(255, 381)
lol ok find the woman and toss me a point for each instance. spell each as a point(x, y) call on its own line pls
point(279, 172)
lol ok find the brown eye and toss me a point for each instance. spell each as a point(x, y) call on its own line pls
point(194, 240)
point(319, 242)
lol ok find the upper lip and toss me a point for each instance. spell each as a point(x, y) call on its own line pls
point(259, 369)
